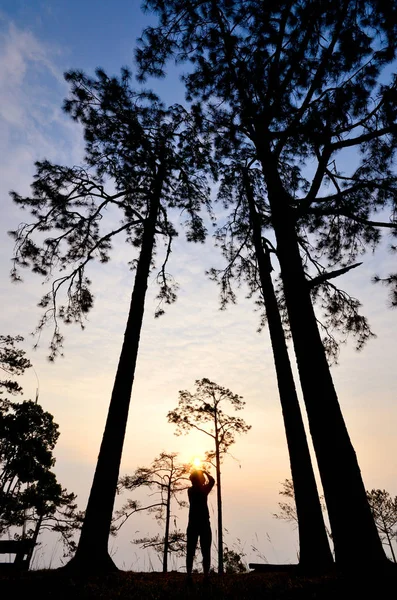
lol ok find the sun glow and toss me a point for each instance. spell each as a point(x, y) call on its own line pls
point(197, 463)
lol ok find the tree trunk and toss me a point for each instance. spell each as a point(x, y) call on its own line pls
point(386, 530)
point(391, 548)
point(167, 528)
point(92, 552)
point(340, 474)
point(219, 500)
point(313, 541)
point(34, 540)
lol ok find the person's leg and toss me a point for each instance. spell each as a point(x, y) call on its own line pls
point(205, 544)
point(192, 537)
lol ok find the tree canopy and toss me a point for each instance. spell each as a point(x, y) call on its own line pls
point(300, 84)
point(13, 362)
point(131, 138)
point(30, 495)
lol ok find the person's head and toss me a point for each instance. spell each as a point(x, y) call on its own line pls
point(197, 478)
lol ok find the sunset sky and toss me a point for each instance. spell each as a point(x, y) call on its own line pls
point(39, 40)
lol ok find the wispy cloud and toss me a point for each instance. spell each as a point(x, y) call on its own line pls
point(32, 124)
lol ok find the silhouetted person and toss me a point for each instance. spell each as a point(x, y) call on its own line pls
point(199, 520)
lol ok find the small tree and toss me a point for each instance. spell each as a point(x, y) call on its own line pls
point(166, 478)
point(49, 507)
point(233, 561)
point(384, 510)
point(287, 509)
point(176, 542)
point(30, 495)
point(28, 436)
point(383, 507)
point(205, 407)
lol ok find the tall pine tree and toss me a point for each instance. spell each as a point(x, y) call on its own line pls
point(248, 255)
point(303, 82)
point(143, 160)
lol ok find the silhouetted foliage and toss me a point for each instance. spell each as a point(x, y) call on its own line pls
point(204, 412)
point(166, 479)
point(302, 83)
point(28, 436)
point(384, 509)
point(49, 507)
point(141, 160)
point(233, 561)
point(203, 407)
point(339, 315)
point(30, 495)
point(12, 362)
point(130, 137)
point(288, 509)
point(176, 543)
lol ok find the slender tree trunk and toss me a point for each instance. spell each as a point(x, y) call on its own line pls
point(391, 548)
point(344, 490)
point(386, 530)
point(219, 500)
point(92, 552)
point(313, 539)
point(34, 540)
point(167, 529)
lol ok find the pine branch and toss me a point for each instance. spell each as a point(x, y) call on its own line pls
point(330, 275)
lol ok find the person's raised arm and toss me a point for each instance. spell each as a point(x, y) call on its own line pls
point(211, 481)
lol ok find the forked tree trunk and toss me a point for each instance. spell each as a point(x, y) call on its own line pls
point(344, 490)
point(92, 552)
point(313, 540)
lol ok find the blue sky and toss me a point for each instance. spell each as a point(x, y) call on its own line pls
point(85, 31)
point(90, 34)
point(38, 42)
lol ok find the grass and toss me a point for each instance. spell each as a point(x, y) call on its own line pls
point(173, 586)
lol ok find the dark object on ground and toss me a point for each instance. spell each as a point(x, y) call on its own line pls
point(22, 550)
point(293, 570)
point(267, 568)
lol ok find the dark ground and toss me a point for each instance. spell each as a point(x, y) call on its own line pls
point(156, 586)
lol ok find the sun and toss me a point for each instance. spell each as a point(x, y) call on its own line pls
point(197, 463)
